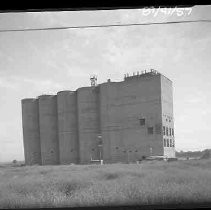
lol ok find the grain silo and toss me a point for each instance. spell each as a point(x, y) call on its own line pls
point(67, 127)
point(88, 123)
point(31, 132)
point(111, 107)
point(48, 129)
point(113, 121)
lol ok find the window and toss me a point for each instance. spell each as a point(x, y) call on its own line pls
point(142, 121)
point(164, 142)
point(170, 143)
point(167, 133)
point(150, 130)
point(164, 130)
point(117, 147)
point(172, 132)
point(167, 142)
point(100, 142)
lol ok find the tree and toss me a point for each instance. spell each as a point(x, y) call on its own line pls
point(14, 161)
point(206, 154)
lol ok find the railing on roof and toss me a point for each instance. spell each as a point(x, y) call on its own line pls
point(142, 73)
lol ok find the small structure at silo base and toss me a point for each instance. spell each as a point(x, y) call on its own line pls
point(108, 123)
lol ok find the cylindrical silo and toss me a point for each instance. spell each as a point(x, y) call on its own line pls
point(67, 127)
point(48, 129)
point(111, 129)
point(31, 133)
point(88, 123)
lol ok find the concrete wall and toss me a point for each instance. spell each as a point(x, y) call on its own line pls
point(88, 123)
point(122, 105)
point(68, 127)
point(31, 133)
point(167, 113)
point(48, 129)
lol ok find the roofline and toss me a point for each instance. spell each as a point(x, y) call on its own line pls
point(144, 74)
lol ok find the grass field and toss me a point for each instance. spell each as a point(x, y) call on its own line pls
point(155, 182)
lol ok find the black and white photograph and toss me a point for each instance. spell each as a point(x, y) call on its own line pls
point(105, 107)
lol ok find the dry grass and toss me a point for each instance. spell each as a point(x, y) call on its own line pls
point(151, 183)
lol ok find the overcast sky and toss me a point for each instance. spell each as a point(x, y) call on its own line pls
point(45, 62)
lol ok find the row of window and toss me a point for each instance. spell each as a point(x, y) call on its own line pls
point(168, 120)
point(167, 116)
point(168, 142)
point(168, 131)
point(125, 151)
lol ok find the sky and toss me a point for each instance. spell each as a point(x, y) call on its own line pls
point(45, 62)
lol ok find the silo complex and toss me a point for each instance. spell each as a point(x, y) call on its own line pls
point(48, 129)
point(31, 132)
point(113, 121)
point(68, 127)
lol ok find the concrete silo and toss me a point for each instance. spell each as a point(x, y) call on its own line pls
point(116, 121)
point(88, 123)
point(67, 127)
point(31, 133)
point(111, 123)
point(48, 129)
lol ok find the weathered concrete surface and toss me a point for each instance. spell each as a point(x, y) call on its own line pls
point(48, 129)
point(123, 104)
point(88, 123)
point(31, 132)
point(68, 127)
